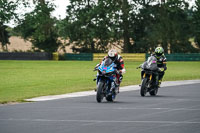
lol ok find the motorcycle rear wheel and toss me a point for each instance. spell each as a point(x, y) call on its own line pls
point(143, 89)
point(99, 95)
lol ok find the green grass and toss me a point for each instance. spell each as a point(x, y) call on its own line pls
point(26, 79)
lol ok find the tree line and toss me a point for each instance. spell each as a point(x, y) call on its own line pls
point(91, 25)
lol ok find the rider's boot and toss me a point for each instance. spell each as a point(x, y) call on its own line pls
point(112, 88)
point(95, 80)
point(117, 89)
point(159, 83)
point(119, 82)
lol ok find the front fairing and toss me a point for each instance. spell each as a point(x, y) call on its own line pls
point(106, 71)
point(150, 64)
point(150, 70)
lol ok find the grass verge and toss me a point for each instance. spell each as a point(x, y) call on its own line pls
point(26, 79)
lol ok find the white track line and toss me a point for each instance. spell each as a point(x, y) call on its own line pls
point(122, 89)
point(103, 121)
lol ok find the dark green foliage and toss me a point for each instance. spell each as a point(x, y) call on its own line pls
point(4, 36)
point(141, 24)
point(7, 13)
point(196, 22)
point(38, 27)
point(91, 25)
point(167, 24)
point(7, 9)
point(174, 27)
point(87, 25)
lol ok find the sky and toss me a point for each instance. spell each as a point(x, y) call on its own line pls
point(60, 11)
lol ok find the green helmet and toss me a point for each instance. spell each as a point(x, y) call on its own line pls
point(159, 51)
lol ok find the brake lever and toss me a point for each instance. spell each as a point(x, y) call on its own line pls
point(138, 67)
point(95, 69)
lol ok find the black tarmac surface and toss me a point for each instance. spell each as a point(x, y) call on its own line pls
point(175, 110)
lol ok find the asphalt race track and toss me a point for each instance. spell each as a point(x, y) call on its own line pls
point(176, 109)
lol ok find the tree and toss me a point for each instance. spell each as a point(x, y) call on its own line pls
point(141, 20)
point(7, 12)
point(142, 25)
point(39, 27)
point(173, 29)
point(88, 25)
point(79, 25)
point(125, 9)
point(196, 22)
point(166, 24)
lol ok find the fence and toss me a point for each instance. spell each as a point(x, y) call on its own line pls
point(126, 56)
point(25, 56)
point(181, 57)
point(95, 56)
point(81, 56)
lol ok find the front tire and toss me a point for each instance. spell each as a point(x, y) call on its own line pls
point(154, 91)
point(99, 96)
point(109, 98)
point(143, 89)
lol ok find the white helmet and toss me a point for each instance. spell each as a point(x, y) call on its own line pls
point(112, 53)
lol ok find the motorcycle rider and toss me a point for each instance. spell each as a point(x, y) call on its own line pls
point(117, 59)
point(161, 62)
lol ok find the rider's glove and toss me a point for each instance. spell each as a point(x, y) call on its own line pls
point(95, 68)
point(97, 65)
point(161, 69)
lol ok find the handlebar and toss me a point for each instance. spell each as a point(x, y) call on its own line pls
point(95, 69)
point(138, 67)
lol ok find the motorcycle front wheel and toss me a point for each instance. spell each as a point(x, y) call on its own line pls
point(99, 95)
point(154, 91)
point(110, 98)
point(143, 89)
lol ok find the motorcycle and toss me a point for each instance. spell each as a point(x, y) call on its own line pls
point(149, 76)
point(106, 81)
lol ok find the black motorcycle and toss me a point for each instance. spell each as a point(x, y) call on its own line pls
point(149, 76)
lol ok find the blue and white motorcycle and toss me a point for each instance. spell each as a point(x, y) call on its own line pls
point(106, 81)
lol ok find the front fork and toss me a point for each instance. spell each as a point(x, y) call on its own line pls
point(152, 80)
point(110, 83)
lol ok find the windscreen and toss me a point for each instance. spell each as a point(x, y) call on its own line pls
point(151, 60)
point(151, 63)
point(108, 62)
